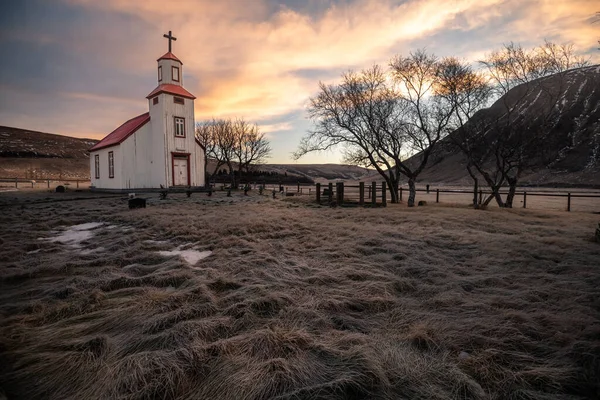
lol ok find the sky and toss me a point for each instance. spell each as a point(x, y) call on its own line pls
point(83, 67)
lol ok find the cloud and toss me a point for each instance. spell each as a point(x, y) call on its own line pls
point(261, 62)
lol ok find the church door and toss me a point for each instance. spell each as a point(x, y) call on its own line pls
point(181, 170)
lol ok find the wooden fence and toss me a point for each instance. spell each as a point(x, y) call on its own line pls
point(375, 193)
point(43, 183)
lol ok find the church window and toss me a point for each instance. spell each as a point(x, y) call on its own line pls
point(97, 165)
point(179, 127)
point(111, 164)
point(159, 73)
point(155, 100)
point(178, 100)
point(175, 73)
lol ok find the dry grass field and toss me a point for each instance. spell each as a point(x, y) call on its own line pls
point(294, 300)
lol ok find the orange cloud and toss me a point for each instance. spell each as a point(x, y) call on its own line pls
point(244, 56)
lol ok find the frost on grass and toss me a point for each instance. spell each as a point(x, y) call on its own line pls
point(302, 302)
point(76, 234)
point(190, 256)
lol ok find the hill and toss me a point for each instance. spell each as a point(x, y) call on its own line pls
point(31, 154)
point(35, 155)
point(574, 157)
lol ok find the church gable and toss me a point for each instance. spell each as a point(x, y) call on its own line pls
point(122, 132)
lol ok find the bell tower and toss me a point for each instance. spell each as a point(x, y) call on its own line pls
point(173, 126)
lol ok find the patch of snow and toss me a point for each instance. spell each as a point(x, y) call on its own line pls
point(150, 241)
point(86, 227)
point(190, 256)
point(34, 251)
point(90, 251)
point(76, 234)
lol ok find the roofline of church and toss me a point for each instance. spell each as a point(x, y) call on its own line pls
point(169, 56)
point(144, 119)
point(171, 89)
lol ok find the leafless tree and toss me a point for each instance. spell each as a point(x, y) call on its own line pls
point(382, 119)
point(232, 143)
point(252, 147)
point(218, 139)
point(364, 116)
point(469, 91)
point(511, 137)
point(422, 82)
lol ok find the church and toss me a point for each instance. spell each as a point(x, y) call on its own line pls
point(157, 148)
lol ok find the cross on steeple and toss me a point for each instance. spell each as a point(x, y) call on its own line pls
point(170, 37)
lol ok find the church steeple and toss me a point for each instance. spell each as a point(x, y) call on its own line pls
point(170, 68)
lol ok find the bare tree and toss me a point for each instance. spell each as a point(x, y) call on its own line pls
point(381, 120)
point(422, 83)
point(234, 144)
point(469, 91)
point(251, 148)
point(218, 139)
point(204, 134)
point(365, 117)
point(511, 137)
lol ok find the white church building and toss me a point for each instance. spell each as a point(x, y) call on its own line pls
point(158, 147)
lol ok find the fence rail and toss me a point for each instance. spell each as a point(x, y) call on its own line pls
point(25, 182)
point(377, 193)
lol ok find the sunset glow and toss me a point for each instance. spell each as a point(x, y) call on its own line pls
point(83, 67)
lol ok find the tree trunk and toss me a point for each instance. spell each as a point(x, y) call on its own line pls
point(412, 192)
point(392, 184)
point(475, 187)
point(393, 190)
point(512, 188)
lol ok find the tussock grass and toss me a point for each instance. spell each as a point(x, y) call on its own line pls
point(299, 301)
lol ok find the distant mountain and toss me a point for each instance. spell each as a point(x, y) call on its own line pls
point(575, 137)
point(321, 172)
point(31, 154)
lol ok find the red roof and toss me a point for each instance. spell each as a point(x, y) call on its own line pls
point(123, 132)
point(172, 89)
point(169, 56)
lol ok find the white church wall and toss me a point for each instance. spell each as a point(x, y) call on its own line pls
point(142, 164)
point(105, 181)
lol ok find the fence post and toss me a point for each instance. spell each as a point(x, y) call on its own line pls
point(339, 192)
point(475, 194)
point(48, 183)
point(480, 196)
point(77, 184)
point(524, 199)
point(318, 193)
point(437, 195)
point(298, 186)
point(569, 201)
point(330, 197)
point(16, 182)
point(361, 193)
point(32, 184)
point(401, 194)
point(374, 193)
point(383, 194)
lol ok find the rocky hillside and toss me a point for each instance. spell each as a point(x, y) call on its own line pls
point(573, 159)
point(36, 155)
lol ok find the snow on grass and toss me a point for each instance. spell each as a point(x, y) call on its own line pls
point(76, 234)
point(190, 256)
